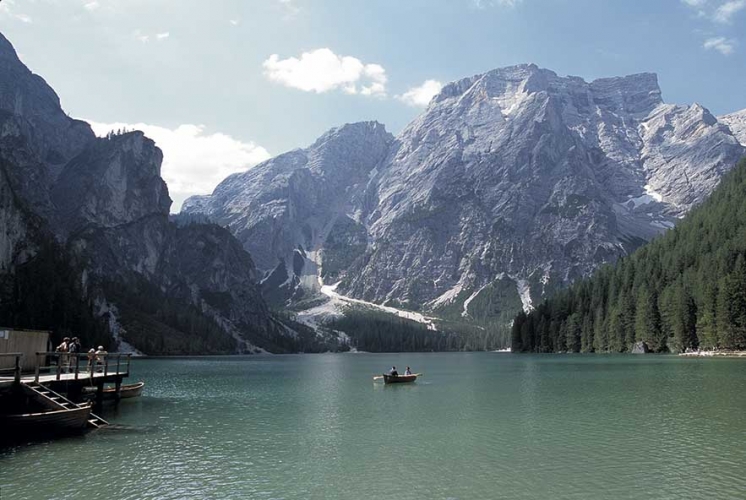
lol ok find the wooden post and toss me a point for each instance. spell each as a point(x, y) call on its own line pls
point(99, 394)
point(36, 370)
point(17, 376)
point(119, 356)
point(77, 365)
point(59, 366)
point(106, 365)
point(117, 392)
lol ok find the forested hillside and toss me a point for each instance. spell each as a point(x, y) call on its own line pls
point(686, 289)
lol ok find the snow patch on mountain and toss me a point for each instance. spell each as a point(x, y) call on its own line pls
point(336, 303)
point(524, 292)
point(467, 302)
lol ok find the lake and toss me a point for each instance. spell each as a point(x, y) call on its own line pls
point(475, 426)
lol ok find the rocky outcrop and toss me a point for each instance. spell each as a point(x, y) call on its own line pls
point(639, 348)
point(290, 206)
point(514, 176)
point(737, 124)
point(103, 199)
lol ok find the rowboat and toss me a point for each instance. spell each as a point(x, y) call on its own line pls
point(125, 391)
point(49, 421)
point(399, 379)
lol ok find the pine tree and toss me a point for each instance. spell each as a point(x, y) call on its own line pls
point(647, 317)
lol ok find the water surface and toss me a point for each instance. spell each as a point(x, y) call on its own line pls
point(477, 425)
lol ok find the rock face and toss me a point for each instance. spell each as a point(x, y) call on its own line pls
point(516, 176)
point(737, 124)
point(104, 200)
point(639, 348)
point(301, 202)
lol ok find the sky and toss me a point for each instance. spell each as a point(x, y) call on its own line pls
point(222, 85)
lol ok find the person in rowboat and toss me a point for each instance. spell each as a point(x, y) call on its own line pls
point(393, 372)
point(407, 371)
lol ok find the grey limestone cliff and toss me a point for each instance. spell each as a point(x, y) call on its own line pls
point(510, 184)
point(104, 201)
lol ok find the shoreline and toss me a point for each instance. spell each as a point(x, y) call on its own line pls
point(715, 354)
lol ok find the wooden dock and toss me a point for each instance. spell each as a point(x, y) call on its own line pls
point(57, 373)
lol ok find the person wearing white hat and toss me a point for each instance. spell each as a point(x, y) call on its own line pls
point(100, 356)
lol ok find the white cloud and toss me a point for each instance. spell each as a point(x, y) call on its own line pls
point(140, 37)
point(290, 7)
point(322, 70)
point(718, 11)
point(422, 95)
point(194, 162)
point(7, 9)
point(724, 14)
point(482, 4)
point(145, 38)
point(94, 5)
point(725, 46)
point(234, 22)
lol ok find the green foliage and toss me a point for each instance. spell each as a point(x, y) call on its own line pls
point(159, 324)
point(686, 289)
point(46, 293)
point(377, 331)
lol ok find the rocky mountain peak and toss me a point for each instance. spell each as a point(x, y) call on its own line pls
point(737, 124)
point(115, 180)
point(634, 94)
point(30, 100)
point(510, 183)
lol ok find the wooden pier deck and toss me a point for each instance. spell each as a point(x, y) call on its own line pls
point(91, 378)
point(57, 373)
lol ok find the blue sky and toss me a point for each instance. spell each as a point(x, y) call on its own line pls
point(223, 84)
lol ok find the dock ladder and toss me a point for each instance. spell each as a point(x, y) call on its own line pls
point(59, 401)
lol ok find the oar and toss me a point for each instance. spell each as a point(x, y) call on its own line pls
point(378, 377)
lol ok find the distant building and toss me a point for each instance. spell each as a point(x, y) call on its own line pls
point(28, 342)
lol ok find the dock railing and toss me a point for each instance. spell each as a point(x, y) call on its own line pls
point(81, 365)
point(16, 368)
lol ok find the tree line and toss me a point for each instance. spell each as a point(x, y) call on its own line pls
point(684, 290)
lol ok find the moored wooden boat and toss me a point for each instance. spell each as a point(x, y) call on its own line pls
point(399, 379)
point(125, 391)
point(49, 421)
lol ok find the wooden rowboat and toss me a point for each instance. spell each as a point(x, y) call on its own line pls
point(49, 421)
point(125, 391)
point(399, 379)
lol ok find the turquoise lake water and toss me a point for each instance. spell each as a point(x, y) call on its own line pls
point(476, 426)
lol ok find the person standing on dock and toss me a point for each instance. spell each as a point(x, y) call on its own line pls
point(100, 357)
point(91, 359)
point(74, 349)
point(63, 359)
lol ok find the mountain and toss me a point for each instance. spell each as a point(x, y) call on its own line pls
point(737, 124)
point(685, 290)
point(89, 218)
point(300, 202)
point(511, 184)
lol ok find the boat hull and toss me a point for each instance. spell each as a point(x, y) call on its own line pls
point(125, 392)
point(399, 379)
point(49, 421)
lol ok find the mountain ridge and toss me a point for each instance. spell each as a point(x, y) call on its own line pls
point(98, 208)
point(514, 178)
